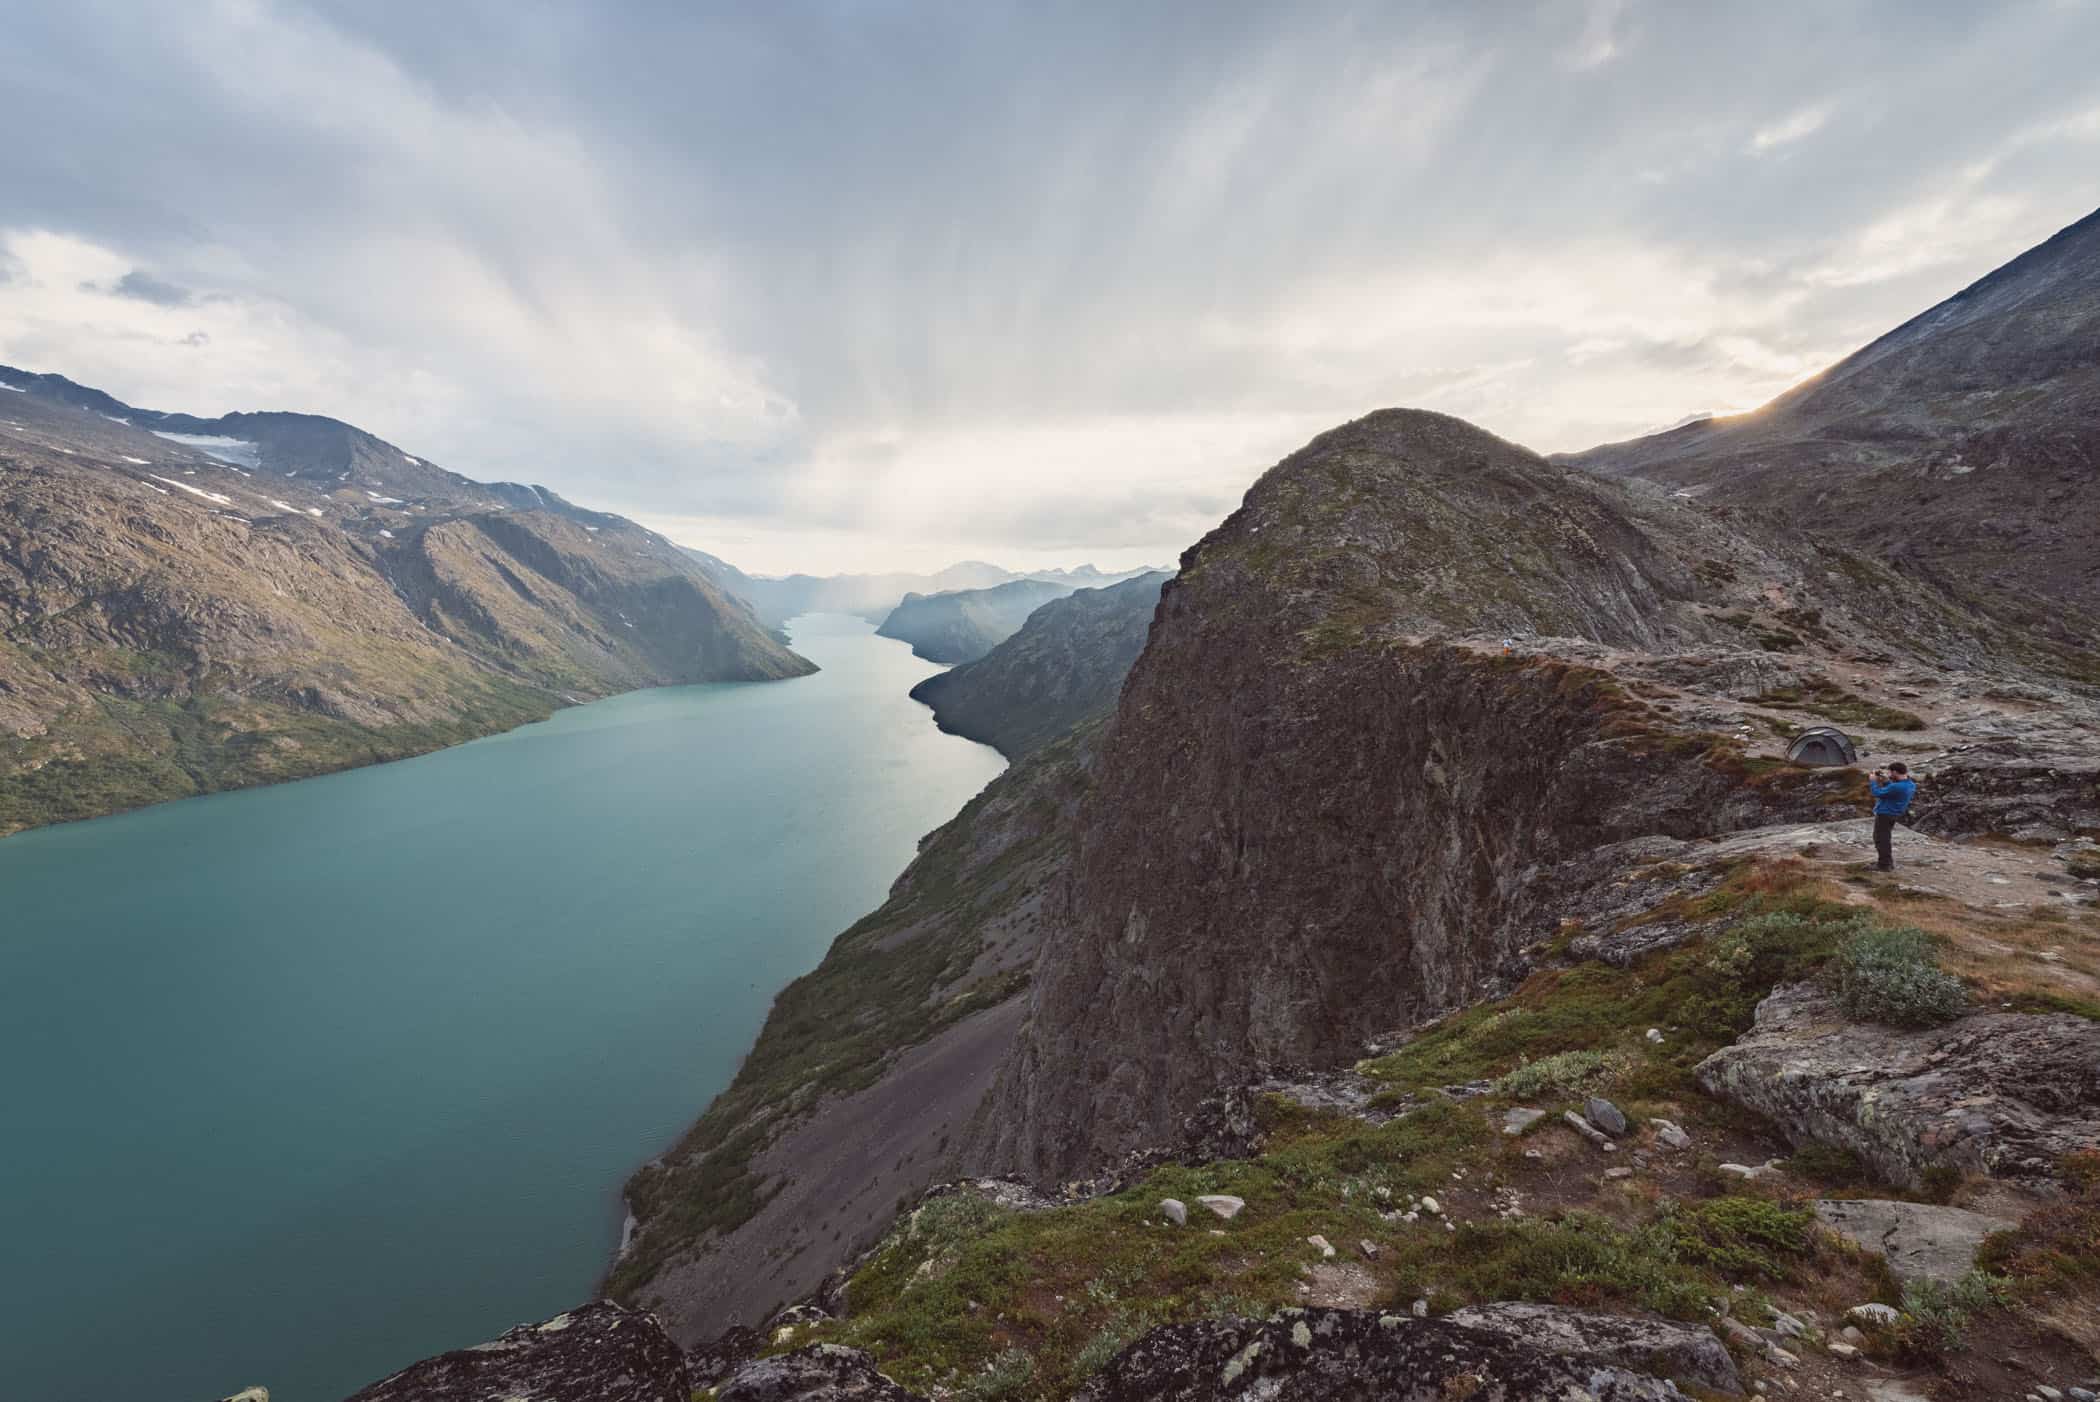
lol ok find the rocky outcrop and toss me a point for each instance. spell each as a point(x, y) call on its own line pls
point(1064, 666)
point(1919, 1240)
point(1325, 1355)
point(821, 1373)
point(2005, 1094)
point(183, 615)
point(1315, 821)
point(964, 625)
point(1684, 1353)
point(599, 1353)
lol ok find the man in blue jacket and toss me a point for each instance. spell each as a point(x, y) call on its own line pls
point(1893, 790)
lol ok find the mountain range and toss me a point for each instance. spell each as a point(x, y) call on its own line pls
point(1357, 964)
point(873, 596)
point(190, 604)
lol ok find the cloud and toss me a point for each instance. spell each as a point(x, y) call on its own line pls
point(146, 288)
point(862, 279)
point(1785, 132)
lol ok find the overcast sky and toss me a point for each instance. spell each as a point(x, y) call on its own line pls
point(851, 284)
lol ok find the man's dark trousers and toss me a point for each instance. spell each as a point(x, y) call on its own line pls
point(1884, 828)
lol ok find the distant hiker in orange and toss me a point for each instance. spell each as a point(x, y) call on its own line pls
point(1893, 790)
point(1509, 646)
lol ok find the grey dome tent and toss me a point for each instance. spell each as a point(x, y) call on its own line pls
point(1824, 745)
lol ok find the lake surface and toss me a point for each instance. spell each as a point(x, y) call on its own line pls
point(307, 1082)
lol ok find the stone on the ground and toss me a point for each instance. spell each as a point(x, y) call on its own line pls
point(1618, 1173)
point(1874, 1315)
point(1757, 1345)
point(2005, 1094)
point(1518, 1120)
point(1431, 1206)
point(820, 1373)
point(1687, 1353)
point(1749, 1172)
point(1175, 1211)
point(1369, 1248)
point(1224, 1204)
point(1919, 1240)
point(601, 1351)
point(1605, 1115)
point(1672, 1134)
point(1584, 1128)
point(1328, 1355)
point(1843, 1351)
point(1322, 1245)
point(1788, 1325)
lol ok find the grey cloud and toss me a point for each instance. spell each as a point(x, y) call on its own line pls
point(145, 287)
point(912, 220)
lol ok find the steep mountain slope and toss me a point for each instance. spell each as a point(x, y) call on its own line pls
point(1325, 806)
point(270, 596)
point(1066, 664)
point(1317, 818)
point(1964, 444)
point(866, 1074)
point(965, 624)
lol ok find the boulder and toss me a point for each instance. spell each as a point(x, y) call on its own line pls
point(820, 1373)
point(1223, 1204)
point(2004, 1094)
point(1687, 1353)
point(1175, 1211)
point(1919, 1240)
point(1605, 1115)
point(1328, 1355)
point(599, 1353)
point(710, 1363)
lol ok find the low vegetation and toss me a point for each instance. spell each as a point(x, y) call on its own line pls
point(1822, 697)
point(1889, 973)
point(995, 1303)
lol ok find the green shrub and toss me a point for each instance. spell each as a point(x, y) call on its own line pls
point(1742, 1237)
point(1887, 973)
point(1563, 1073)
point(1937, 1312)
point(1008, 1374)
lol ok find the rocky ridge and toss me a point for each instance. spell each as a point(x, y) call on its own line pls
point(1964, 445)
point(1064, 666)
point(270, 596)
point(965, 624)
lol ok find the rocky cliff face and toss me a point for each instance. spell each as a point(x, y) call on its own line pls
point(1964, 444)
point(1064, 666)
point(179, 615)
point(1316, 819)
point(965, 624)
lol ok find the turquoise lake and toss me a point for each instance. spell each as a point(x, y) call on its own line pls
point(304, 1083)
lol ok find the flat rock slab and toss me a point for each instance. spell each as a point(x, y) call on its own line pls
point(1919, 1240)
point(1324, 1355)
point(821, 1373)
point(1685, 1353)
point(599, 1353)
point(2002, 1094)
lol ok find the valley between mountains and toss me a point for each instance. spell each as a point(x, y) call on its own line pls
point(1334, 1000)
